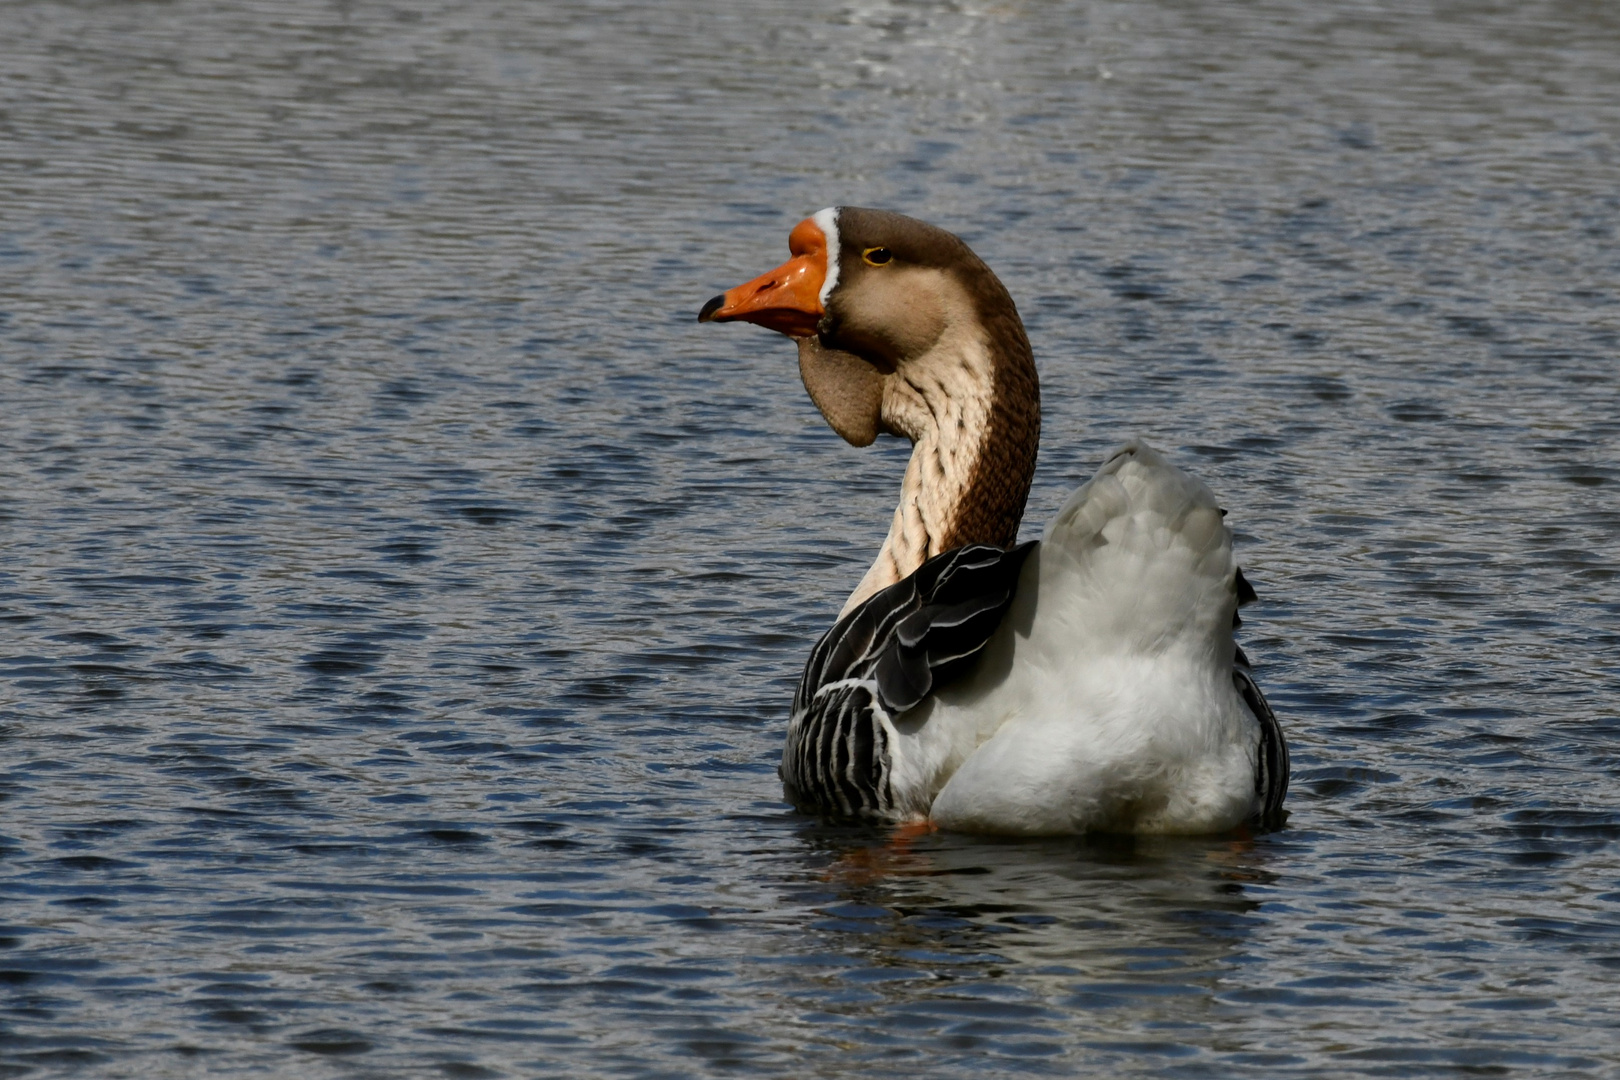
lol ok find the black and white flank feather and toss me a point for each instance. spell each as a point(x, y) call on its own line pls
point(1271, 766)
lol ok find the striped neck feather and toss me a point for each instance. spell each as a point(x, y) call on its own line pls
point(972, 412)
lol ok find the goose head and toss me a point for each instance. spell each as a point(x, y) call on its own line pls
point(903, 330)
point(871, 295)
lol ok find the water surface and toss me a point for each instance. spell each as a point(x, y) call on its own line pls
point(402, 594)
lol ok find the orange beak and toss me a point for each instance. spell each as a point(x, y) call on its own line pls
point(788, 299)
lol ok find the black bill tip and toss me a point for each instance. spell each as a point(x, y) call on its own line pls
point(711, 307)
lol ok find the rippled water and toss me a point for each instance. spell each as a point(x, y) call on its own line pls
point(402, 593)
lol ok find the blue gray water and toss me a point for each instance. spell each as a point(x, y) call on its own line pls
point(402, 594)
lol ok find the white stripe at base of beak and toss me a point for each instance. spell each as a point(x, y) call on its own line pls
point(827, 221)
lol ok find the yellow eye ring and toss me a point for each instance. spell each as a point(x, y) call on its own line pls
point(876, 256)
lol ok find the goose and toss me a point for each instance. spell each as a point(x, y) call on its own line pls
point(1085, 682)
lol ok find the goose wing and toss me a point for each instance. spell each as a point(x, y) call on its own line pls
point(1271, 763)
point(879, 661)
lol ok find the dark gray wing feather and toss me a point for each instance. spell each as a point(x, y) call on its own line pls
point(1271, 763)
point(880, 660)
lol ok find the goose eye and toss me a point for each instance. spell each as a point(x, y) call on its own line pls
point(877, 256)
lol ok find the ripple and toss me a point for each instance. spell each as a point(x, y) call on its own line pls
point(403, 595)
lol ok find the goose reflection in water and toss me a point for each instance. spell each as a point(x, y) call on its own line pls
point(1098, 920)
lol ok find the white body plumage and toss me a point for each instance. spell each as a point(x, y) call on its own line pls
point(1105, 700)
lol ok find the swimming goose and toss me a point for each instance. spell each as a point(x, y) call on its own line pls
point(1085, 682)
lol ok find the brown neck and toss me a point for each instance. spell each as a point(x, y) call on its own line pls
point(992, 505)
point(971, 408)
